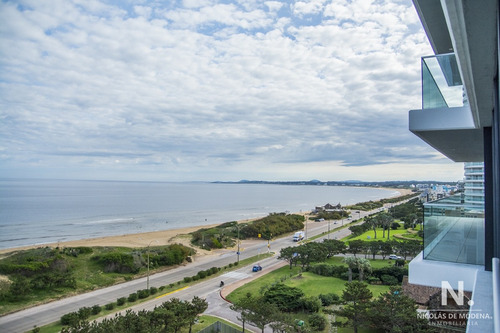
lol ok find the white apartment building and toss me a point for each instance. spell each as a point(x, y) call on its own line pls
point(460, 118)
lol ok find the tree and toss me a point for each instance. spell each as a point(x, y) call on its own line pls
point(197, 306)
point(356, 297)
point(289, 254)
point(258, 312)
point(385, 248)
point(311, 252)
point(408, 248)
point(373, 223)
point(334, 247)
point(363, 265)
point(395, 312)
point(373, 247)
point(385, 220)
point(286, 298)
point(351, 263)
point(356, 246)
point(174, 312)
point(243, 308)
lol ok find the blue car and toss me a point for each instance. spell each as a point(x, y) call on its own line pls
point(256, 268)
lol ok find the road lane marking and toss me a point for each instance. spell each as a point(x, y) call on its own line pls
point(235, 275)
point(171, 292)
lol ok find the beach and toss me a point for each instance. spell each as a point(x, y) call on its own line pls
point(136, 240)
point(144, 239)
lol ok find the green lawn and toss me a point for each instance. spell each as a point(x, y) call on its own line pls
point(376, 263)
point(311, 284)
point(370, 235)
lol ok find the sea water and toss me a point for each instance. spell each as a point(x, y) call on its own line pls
point(49, 211)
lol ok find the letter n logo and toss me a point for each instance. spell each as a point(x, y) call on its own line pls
point(447, 288)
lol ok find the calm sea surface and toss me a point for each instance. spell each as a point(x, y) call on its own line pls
point(47, 211)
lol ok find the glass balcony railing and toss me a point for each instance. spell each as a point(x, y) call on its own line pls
point(454, 231)
point(441, 82)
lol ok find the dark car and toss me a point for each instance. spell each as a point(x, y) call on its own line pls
point(256, 268)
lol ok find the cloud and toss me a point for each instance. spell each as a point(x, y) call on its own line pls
point(192, 88)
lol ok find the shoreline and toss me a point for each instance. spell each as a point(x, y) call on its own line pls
point(145, 239)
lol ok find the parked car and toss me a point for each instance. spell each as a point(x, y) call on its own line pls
point(394, 257)
point(256, 268)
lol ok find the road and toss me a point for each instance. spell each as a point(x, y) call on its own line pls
point(25, 320)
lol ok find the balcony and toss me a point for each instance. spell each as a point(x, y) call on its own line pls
point(454, 231)
point(445, 121)
point(441, 83)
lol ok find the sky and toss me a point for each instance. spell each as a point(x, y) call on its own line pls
point(202, 90)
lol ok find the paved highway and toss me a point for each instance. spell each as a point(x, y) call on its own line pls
point(25, 320)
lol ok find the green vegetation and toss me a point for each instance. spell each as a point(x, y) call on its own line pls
point(273, 225)
point(290, 296)
point(145, 295)
point(225, 235)
point(370, 205)
point(221, 236)
point(310, 283)
point(170, 316)
point(337, 215)
point(43, 274)
point(369, 235)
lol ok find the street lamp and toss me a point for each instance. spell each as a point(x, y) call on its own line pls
point(238, 253)
point(147, 282)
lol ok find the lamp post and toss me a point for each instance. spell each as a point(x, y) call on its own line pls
point(328, 229)
point(147, 281)
point(238, 253)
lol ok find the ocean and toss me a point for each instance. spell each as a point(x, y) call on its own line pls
point(34, 212)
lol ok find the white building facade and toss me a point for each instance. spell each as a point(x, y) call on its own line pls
point(460, 118)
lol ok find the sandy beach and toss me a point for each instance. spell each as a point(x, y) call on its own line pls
point(137, 240)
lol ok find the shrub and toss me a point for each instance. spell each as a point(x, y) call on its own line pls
point(397, 272)
point(120, 301)
point(96, 309)
point(317, 322)
point(153, 290)
point(286, 298)
point(132, 297)
point(187, 279)
point(70, 319)
point(400, 262)
point(329, 299)
point(109, 306)
point(117, 262)
point(372, 280)
point(143, 293)
point(311, 304)
point(202, 274)
point(84, 313)
point(389, 280)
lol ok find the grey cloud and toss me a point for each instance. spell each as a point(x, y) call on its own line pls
point(144, 86)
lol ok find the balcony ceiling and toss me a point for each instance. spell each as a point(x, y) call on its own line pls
point(432, 18)
point(450, 131)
